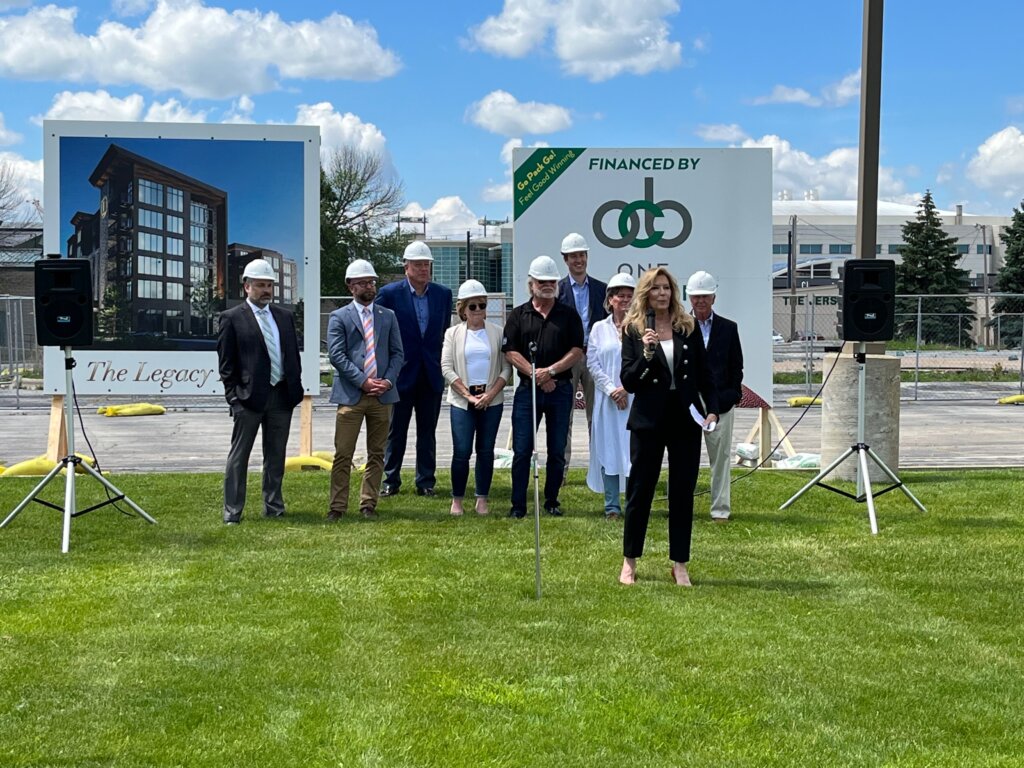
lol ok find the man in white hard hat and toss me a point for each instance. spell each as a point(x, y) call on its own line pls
point(424, 312)
point(586, 295)
point(365, 349)
point(550, 333)
point(725, 359)
point(258, 357)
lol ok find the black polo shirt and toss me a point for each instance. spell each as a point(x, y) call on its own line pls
point(555, 335)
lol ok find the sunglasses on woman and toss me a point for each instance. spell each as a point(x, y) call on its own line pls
point(475, 307)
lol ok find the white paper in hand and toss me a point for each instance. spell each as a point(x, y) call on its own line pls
point(700, 419)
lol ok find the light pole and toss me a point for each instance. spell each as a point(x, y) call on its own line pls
point(984, 281)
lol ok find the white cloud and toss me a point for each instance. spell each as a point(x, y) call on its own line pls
point(730, 133)
point(173, 111)
point(94, 105)
point(999, 163)
point(502, 192)
point(198, 50)
point(833, 176)
point(832, 95)
point(100, 105)
point(596, 39)
point(341, 130)
point(131, 7)
point(241, 110)
point(500, 112)
point(7, 137)
point(782, 94)
point(29, 174)
point(447, 217)
point(10, 5)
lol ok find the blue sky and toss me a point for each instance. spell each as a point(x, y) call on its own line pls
point(446, 90)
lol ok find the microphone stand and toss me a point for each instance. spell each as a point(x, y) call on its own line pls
point(536, 469)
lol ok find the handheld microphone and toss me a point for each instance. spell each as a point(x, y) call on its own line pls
point(650, 325)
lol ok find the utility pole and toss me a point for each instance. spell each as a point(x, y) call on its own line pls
point(984, 281)
point(400, 220)
point(485, 222)
point(469, 257)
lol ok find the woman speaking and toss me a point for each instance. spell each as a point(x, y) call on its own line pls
point(663, 367)
point(476, 371)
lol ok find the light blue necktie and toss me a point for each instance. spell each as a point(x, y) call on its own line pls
point(276, 371)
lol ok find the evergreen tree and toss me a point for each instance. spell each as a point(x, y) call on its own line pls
point(1010, 279)
point(929, 267)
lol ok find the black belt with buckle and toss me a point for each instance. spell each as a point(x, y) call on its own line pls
point(477, 389)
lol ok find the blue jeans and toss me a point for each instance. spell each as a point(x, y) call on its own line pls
point(484, 424)
point(611, 494)
point(556, 409)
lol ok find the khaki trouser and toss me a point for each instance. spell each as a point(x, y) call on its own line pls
point(719, 445)
point(346, 432)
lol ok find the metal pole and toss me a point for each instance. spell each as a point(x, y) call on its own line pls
point(536, 472)
point(870, 111)
point(791, 270)
point(917, 350)
point(984, 279)
point(469, 258)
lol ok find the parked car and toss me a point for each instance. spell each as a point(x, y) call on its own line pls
point(807, 336)
point(777, 337)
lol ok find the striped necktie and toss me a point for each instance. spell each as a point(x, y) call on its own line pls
point(370, 363)
point(276, 371)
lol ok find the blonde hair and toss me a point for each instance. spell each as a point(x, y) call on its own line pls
point(636, 317)
point(460, 305)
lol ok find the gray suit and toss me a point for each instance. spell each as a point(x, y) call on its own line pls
point(346, 347)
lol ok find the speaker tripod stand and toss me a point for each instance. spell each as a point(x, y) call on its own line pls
point(863, 452)
point(71, 463)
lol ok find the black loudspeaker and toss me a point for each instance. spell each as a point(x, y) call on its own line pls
point(867, 299)
point(63, 302)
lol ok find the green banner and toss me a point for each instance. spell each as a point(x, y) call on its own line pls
point(534, 177)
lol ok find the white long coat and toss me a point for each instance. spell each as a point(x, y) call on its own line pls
point(609, 440)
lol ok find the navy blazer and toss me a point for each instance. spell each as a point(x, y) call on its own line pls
point(597, 297)
point(243, 359)
point(649, 380)
point(346, 347)
point(422, 352)
point(725, 359)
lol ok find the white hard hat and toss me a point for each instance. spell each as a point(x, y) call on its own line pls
point(701, 284)
point(471, 288)
point(259, 269)
point(573, 242)
point(621, 280)
point(359, 268)
point(543, 268)
point(417, 250)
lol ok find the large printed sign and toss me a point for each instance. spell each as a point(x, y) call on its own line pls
point(168, 215)
point(686, 209)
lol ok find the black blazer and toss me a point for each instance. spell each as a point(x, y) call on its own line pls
point(649, 380)
point(421, 351)
point(244, 360)
point(725, 359)
point(597, 291)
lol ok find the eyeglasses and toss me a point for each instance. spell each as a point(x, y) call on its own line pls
point(475, 307)
point(363, 283)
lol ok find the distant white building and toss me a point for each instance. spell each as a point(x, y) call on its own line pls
point(826, 233)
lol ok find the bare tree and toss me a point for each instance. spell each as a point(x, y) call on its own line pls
point(364, 196)
point(359, 201)
point(11, 193)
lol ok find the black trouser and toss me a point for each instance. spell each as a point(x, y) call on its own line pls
point(646, 450)
point(275, 423)
point(427, 404)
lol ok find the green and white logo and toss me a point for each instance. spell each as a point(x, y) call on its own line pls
point(629, 221)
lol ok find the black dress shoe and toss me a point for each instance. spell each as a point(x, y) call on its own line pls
point(368, 514)
point(388, 490)
point(333, 517)
point(519, 514)
point(278, 513)
point(232, 519)
point(555, 511)
point(426, 492)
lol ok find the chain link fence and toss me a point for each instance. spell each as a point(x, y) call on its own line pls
point(951, 346)
point(20, 357)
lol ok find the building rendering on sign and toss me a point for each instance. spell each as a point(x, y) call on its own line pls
point(161, 263)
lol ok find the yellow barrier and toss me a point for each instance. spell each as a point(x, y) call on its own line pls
point(39, 466)
point(803, 400)
point(1011, 400)
point(132, 409)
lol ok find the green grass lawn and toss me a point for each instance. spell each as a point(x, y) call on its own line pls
point(416, 640)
